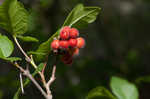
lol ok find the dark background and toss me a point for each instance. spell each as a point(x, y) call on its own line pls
point(117, 44)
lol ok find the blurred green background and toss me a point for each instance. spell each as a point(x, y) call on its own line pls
point(117, 43)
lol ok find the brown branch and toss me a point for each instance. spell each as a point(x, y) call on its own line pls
point(27, 74)
point(21, 83)
point(45, 64)
point(52, 79)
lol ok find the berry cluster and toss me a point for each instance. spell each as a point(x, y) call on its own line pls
point(69, 43)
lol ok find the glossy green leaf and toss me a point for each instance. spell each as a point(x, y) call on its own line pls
point(27, 38)
point(100, 93)
point(13, 17)
point(6, 46)
point(123, 89)
point(27, 81)
point(81, 16)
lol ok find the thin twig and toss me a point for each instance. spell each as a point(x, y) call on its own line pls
point(27, 57)
point(27, 74)
point(52, 79)
point(19, 67)
point(45, 64)
point(21, 83)
point(30, 60)
point(43, 70)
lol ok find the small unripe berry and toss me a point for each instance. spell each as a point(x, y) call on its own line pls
point(55, 44)
point(63, 44)
point(67, 58)
point(69, 62)
point(73, 42)
point(76, 52)
point(64, 33)
point(80, 42)
point(73, 33)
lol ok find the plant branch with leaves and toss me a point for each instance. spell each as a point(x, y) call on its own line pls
point(14, 19)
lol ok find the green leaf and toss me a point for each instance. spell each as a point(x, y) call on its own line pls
point(12, 59)
point(27, 38)
point(123, 89)
point(13, 17)
point(27, 81)
point(1, 54)
point(35, 53)
point(45, 48)
point(4, 16)
point(81, 16)
point(6, 46)
point(18, 17)
point(100, 93)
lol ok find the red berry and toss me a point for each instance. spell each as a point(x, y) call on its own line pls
point(55, 44)
point(73, 42)
point(80, 42)
point(64, 33)
point(73, 33)
point(64, 44)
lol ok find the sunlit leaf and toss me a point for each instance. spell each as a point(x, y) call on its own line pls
point(6, 46)
point(123, 89)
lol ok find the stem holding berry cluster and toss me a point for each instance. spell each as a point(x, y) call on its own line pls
point(46, 84)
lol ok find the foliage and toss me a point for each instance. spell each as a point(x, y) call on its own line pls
point(14, 17)
point(117, 44)
point(120, 87)
point(78, 17)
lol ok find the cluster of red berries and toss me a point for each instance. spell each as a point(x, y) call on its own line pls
point(68, 42)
